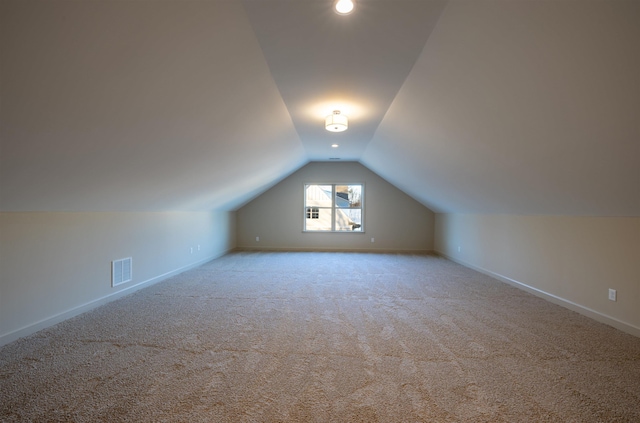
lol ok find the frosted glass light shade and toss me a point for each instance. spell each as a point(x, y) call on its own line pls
point(336, 122)
point(344, 7)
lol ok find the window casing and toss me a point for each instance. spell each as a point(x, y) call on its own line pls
point(333, 207)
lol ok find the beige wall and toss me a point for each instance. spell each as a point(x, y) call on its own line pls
point(56, 265)
point(395, 220)
point(570, 260)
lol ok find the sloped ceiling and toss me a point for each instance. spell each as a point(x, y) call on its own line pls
point(469, 106)
point(528, 107)
point(131, 105)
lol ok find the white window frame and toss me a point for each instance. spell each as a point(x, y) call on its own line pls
point(333, 208)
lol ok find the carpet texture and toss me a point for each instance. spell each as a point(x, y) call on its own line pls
point(324, 337)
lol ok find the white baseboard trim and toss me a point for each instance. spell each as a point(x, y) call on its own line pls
point(578, 308)
point(331, 250)
point(75, 311)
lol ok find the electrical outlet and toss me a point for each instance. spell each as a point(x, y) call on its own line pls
point(257, 239)
point(191, 250)
point(613, 294)
point(373, 240)
point(198, 247)
point(458, 248)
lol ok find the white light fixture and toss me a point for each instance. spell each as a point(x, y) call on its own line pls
point(336, 122)
point(335, 145)
point(344, 7)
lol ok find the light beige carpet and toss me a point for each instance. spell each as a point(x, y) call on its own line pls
point(325, 337)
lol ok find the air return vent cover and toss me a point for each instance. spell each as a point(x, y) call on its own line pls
point(121, 271)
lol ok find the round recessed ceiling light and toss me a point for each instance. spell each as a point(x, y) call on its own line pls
point(344, 7)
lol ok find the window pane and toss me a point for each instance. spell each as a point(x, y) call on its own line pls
point(318, 195)
point(349, 196)
point(320, 223)
point(349, 220)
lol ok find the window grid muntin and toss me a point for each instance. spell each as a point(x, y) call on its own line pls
point(313, 212)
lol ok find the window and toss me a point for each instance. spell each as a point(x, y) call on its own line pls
point(313, 213)
point(333, 207)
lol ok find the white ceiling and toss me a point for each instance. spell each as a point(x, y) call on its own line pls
point(489, 106)
point(322, 61)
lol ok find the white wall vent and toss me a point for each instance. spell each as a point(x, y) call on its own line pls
point(121, 271)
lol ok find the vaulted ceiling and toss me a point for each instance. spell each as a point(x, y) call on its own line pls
point(475, 106)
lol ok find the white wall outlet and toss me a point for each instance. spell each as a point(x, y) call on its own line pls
point(613, 294)
point(458, 248)
point(257, 239)
point(373, 240)
point(191, 249)
point(198, 247)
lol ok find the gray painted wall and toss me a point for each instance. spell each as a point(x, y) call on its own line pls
point(395, 220)
point(566, 259)
point(56, 265)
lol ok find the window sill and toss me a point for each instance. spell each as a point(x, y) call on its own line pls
point(333, 232)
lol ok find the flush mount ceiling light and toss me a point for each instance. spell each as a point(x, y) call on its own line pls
point(336, 122)
point(344, 7)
